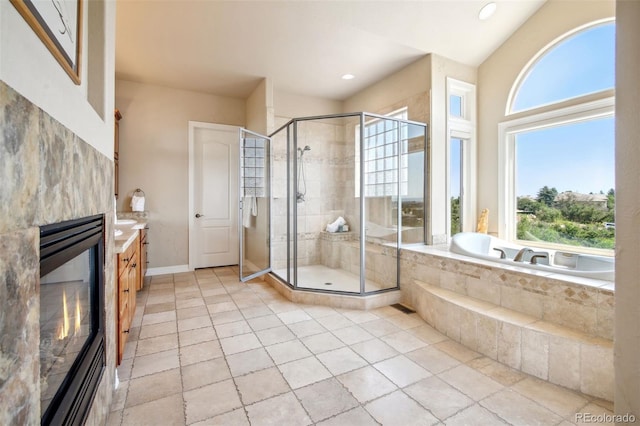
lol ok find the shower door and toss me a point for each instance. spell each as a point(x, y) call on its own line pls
point(255, 204)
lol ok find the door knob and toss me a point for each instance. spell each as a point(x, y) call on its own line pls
point(198, 215)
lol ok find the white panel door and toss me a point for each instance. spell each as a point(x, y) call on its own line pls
point(214, 199)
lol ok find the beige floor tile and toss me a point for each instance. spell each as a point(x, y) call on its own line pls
point(264, 322)
point(401, 370)
point(189, 303)
point(502, 374)
point(366, 384)
point(250, 317)
point(403, 342)
point(559, 400)
point(204, 373)
point(318, 311)
point(160, 307)
point(379, 327)
point(157, 344)
point(272, 336)
point(192, 312)
point(353, 334)
point(323, 342)
point(287, 351)
point(334, 322)
point(356, 417)
point(325, 399)
point(293, 316)
point(341, 360)
point(236, 344)
point(216, 308)
point(374, 350)
point(474, 415)
point(249, 361)
point(281, 410)
point(154, 386)
point(306, 328)
point(518, 410)
point(438, 397)
point(256, 311)
point(236, 417)
point(406, 321)
point(199, 335)
point(232, 329)
point(398, 409)
point(457, 351)
point(209, 401)
point(194, 323)
point(433, 359)
point(261, 385)
point(427, 333)
point(225, 317)
point(155, 363)
point(360, 316)
point(162, 411)
point(470, 382)
point(200, 352)
point(591, 410)
point(303, 372)
point(158, 330)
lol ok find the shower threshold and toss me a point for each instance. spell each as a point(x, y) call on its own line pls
point(316, 277)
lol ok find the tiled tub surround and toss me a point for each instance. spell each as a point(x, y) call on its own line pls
point(556, 328)
point(48, 175)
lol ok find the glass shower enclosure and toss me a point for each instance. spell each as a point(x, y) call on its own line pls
point(338, 195)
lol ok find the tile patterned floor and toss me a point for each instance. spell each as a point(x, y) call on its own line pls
point(206, 349)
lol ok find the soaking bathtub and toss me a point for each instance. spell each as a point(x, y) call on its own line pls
point(482, 246)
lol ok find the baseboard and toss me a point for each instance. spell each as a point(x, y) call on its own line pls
point(175, 269)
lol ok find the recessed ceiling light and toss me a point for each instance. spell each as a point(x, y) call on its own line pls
point(487, 11)
point(348, 77)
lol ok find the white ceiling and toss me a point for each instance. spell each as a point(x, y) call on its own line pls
point(227, 47)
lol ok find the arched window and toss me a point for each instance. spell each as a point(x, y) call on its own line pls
point(557, 157)
point(579, 64)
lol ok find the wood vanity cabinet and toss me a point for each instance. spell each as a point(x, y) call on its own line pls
point(144, 243)
point(116, 151)
point(128, 279)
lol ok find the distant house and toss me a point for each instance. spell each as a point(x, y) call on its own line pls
point(596, 200)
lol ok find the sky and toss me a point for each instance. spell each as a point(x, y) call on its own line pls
point(576, 157)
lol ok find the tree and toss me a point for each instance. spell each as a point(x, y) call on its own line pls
point(547, 195)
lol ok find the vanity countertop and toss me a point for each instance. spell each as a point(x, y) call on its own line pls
point(129, 234)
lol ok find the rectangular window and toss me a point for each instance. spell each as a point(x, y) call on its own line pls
point(564, 180)
point(455, 106)
point(455, 184)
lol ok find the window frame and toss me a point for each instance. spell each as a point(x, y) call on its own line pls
point(464, 129)
point(507, 131)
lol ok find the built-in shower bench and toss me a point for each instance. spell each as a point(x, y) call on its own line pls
point(552, 352)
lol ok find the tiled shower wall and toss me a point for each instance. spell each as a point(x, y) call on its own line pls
point(326, 171)
point(47, 175)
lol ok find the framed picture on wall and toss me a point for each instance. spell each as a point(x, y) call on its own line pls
point(58, 23)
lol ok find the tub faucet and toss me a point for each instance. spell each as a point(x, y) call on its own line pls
point(520, 256)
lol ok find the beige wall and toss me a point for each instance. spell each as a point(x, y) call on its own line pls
point(627, 315)
point(154, 156)
point(498, 73)
point(28, 67)
point(422, 87)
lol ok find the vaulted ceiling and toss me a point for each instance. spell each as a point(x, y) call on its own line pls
point(228, 47)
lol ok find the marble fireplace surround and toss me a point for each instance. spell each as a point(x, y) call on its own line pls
point(48, 175)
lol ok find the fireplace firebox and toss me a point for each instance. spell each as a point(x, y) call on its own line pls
point(72, 347)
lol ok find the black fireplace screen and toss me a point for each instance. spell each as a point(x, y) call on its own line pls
point(72, 354)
